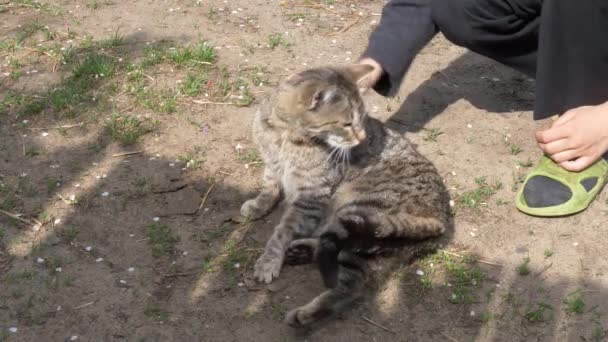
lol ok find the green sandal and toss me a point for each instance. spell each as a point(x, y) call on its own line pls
point(550, 191)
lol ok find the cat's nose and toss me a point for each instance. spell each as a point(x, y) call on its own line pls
point(360, 134)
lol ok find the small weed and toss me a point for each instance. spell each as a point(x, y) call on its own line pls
point(116, 40)
point(526, 164)
point(15, 74)
point(197, 55)
point(276, 40)
point(37, 5)
point(235, 257)
point(486, 316)
point(523, 269)
point(194, 158)
point(598, 333)
point(548, 253)
point(432, 134)
point(250, 157)
point(15, 277)
point(193, 84)
point(473, 198)
point(515, 149)
point(161, 239)
point(154, 311)
point(518, 178)
point(126, 129)
point(574, 303)
point(70, 233)
point(538, 314)
point(461, 273)
point(53, 263)
point(29, 30)
point(295, 16)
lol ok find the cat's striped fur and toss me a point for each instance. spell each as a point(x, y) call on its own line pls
point(352, 187)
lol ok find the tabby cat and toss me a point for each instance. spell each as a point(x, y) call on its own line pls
point(353, 188)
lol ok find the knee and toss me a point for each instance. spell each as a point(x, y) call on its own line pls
point(453, 19)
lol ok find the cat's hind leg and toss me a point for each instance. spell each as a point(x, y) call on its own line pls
point(301, 251)
point(348, 288)
point(266, 200)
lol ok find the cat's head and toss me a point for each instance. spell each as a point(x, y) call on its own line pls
point(325, 104)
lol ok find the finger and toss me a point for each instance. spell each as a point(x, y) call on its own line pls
point(567, 116)
point(578, 164)
point(557, 146)
point(565, 156)
point(553, 133)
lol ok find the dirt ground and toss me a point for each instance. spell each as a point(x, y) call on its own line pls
point(99, 245)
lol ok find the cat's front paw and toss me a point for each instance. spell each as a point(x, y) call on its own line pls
point(301, 251)
point(251, 210)
point(267, 268)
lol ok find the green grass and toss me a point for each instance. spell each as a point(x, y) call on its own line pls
point(193, 84)
point(515, 149)
point(598, 333)
point(462, 273)
point(161, 239)
point(432, 134)
point(29, 30)
point(275, 40)
point(154, 311)
point(37, 5)
point(526, 164)
point(474, 198)
point(193, 158)
point(70, 233)
point(548, 253)
point(114, 41)
point(538, 313)
point(195, 55)
point(16, 277)
point(250, 157)
point(574, 303)
point(125, 129)
point(523, 269)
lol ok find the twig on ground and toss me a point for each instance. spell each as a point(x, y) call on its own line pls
point(80, 124)
point(378, 325)
point(183, 274)
point(205, 197)
point(84, 305)
point(345, 28)
point(127, 153)
point(476, 260)
point(448, 337)
point(214, 103)
point(13, 216)
point(543, 270)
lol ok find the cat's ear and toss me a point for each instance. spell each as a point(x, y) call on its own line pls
point(358, 72)
point(321, 96)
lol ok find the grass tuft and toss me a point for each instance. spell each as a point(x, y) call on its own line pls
point(126, 130)
point(161, 239)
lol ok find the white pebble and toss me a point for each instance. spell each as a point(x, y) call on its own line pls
point(59, 308)
point(452, 203)
point(156, 219)
point(45, 134)
point(57, 221)
point(88, 248)
point(72, 197)
point(131, 269)
point(23, 175)
point(13, 329)
point(104, 176)
point(575, 244)
point(472, 313)
point(469, 126)
point(58, 269)
point(73, 338)
point(122, 281)
point(454, 296)
point(237, 265)
point(240, 284)
point(40, 260)
point(419, 272)
point(172, 164)
point(105, 194)
point(185, 253)
point(131, 235)
point(25, 121)
point(99, 260)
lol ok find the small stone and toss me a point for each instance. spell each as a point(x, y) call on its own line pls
point(73, 338)
point(420, 272)
point(156, 219)
point(45, 134)
point(40, 260)
point(131, 269)
point(185, 253)
point(57, 221)
point(58, 269)
point(240, 284)
point(88, 248)
point(105, 194)
point(13, 330)
point(58, 308)
point(99, 260)
point(469, 126)
point(452, 203)
point(237, 265)
point(575, 244)
point(472, 313)
point(122, 281)
point(454, 297)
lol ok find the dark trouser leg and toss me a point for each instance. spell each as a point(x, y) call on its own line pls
point(564, 46)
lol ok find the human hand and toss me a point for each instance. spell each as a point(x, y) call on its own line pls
point(373, 77)
point(578, 138)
